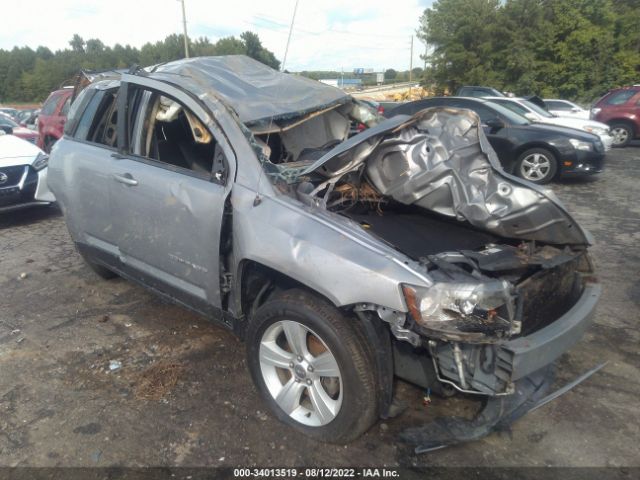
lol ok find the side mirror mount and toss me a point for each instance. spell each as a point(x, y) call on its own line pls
point(495, 123)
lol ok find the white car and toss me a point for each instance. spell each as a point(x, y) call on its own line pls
point(23, 174)
point(534, 113)
point(565, 108)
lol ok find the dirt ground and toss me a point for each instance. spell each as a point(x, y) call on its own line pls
point(183, 397)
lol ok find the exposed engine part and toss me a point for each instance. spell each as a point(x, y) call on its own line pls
point(396, 321)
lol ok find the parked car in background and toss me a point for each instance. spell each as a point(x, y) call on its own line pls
point(9, 126)
point(28, 118)
point(565, 108)
point(479, 92)
point(620, 109)
point(340, 260)
point(52, 117)
point(534, 113)
point(534, 151)
point(11, 112)
point(23, 174)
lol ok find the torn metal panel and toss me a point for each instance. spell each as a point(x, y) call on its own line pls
point(440, 160)
point(259, 94)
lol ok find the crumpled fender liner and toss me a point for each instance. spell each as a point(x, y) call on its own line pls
point(497, 414)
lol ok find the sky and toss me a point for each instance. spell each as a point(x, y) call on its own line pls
point(327, 34)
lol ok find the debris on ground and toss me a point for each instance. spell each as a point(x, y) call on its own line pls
point(158, 380)
point(115, 365)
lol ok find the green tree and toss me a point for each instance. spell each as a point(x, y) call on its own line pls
point(390, 74)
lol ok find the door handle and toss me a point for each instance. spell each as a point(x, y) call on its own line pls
point(127, 179)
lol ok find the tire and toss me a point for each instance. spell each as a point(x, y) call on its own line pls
point(537, 165)
point(622, 134)
point(348, 402)
point(102, 272)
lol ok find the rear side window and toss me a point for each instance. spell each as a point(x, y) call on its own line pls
point(76, 108)
point(554, 105)
point(513, 106)
point(619, 98)
point(50, 105)
point(65, 107)
point(98, 123)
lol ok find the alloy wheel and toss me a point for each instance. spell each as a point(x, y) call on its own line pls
point(301, 373)
point(620, 135)
point(535, 167)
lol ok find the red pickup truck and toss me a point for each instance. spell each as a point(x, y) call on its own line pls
point(53, 117)
point(620, 109)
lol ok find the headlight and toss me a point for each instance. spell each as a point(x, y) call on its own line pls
point(470, 310)
point(41, 161)
point(596, 130)
point(580, 145)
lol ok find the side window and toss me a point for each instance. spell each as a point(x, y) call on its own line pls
point(99, 120)
point(76, 109)
point(483, 112)
point(65, 107)
point(620, 98)
point(166, 131)
point(558, 106)
point(514, 107)
point(50, 105)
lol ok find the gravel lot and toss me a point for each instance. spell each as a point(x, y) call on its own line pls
point(183, 396)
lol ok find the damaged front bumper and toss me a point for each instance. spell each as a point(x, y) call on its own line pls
point(515, 376)
point(498, 413)
point(493, 369)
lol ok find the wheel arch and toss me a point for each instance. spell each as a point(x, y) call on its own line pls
point(530, 145)
point(254, 279)
point(627, 121)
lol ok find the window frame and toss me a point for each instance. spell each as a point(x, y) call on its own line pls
point(99, 93)
point(126, 144)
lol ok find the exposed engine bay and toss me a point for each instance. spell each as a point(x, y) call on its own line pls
point(505, 257)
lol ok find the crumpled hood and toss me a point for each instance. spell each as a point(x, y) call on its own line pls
point(440, 159)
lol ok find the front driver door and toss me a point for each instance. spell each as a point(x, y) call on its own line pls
point(168, 193)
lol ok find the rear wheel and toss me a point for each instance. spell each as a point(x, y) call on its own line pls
point(98, 269)
point(622, 134)
point(537, 165)
point(312, 367)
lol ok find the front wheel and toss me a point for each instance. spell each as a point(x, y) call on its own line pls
point(312, 367)
point(537, 165)
point(622, 134)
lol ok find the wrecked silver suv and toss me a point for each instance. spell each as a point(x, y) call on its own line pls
point(345, 249)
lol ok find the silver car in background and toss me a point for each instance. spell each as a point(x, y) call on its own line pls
point(342, 259)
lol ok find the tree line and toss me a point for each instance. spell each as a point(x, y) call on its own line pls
point(575, 49)
point(28, 75)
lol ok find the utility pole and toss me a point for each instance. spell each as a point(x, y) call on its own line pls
point(286, 50)
point(411, 68)
point(184, 25)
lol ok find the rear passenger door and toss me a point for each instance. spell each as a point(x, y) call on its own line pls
point(168, 192)
point(85, 160)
